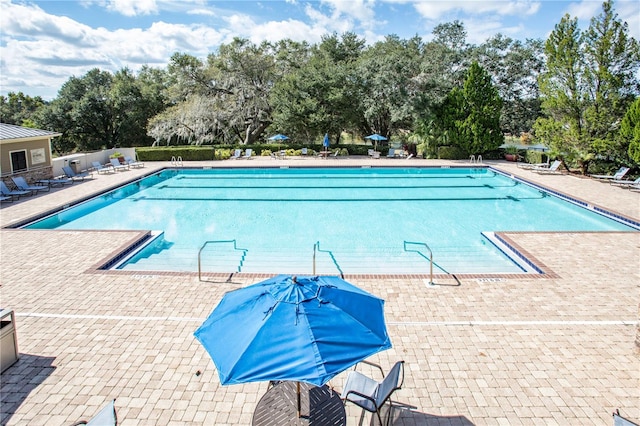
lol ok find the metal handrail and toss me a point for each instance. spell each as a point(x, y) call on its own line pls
point(316, 247)
point(235, 247)
point(176, 162)
point(420, 253)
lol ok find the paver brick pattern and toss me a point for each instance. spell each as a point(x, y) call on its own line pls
point(521, 351)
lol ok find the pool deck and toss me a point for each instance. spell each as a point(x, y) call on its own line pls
point(558, 350)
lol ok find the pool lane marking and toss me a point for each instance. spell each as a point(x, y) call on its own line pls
point(392, 323)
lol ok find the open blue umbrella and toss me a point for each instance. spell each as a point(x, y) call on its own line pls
point(325, 142)
point(376, 137)
point(304, 329)
point(278, 137)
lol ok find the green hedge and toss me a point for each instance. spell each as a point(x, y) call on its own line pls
point(218, 152)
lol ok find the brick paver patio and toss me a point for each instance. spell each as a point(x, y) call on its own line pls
point(526, 350)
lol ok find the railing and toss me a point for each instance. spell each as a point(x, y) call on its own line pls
point(235, 247)
point(473, 159)
point(316, 249)
point(422, 254)
point(176, 162)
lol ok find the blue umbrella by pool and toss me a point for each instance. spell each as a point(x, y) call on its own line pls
point(304, 329)
point(325, 142)
point(278, 137)
point(376, 137)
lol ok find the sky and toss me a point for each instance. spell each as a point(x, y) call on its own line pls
point(45, 42)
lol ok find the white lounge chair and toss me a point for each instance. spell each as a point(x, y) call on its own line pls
point(554, 168)
point(371, 395)
point(105, 417)
point(247, 153)
point(626, 183)
point(616, 176)
point(237, 154)
point(115, 163)
point(392, 153)
point(21, 184)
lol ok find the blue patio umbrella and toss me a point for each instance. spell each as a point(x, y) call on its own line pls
point(376, 137)
point(325, 142)
point(278, 137)
point(304, 329)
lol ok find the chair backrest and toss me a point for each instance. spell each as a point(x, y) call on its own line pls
point(618, 420)
point(68, 171)
point(105, 417)
point(20, 182)
point(555, 165)
point(303, 151)
point(393, 381)
point(237, 153)
point(97, 165)
point(621, 172)
point(392, 152)
point(115, 162)
point(4, 188)
point(248, 152)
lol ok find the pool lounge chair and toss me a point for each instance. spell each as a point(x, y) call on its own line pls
point(616, 176)
point(21, 183)
point(247, 154)
point(102, 169)
point(115, 163)
point(626, 183)
point(4, 198)
point(554, 168)
point(392, 153)
point(529, 166)
point(618, 420)
point(133, 163)
point(237, 154)
point(105, 417)
point(371, 395)
point(5, 191)
point(68, 172)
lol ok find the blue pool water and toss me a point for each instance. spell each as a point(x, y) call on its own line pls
point(366, 220)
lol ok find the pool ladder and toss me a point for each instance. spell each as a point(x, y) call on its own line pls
point(475, 160)
point(235, 247)
point(317, 249)
point(176, 161)
point(422, 254)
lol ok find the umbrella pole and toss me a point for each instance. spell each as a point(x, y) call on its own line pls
point(298, 385)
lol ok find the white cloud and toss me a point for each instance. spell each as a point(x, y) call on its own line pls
point(41, 51)
point(133, 7)
point(437, 9)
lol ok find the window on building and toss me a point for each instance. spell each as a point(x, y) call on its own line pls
point(18, 161)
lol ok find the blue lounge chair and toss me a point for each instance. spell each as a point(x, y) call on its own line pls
point(102, 169)
point(3, 198)
point(4, 190)
point(616, 176)
point(68, 172)
point(392, 153)
point(115, 163)
point(21, 183)
point(237, 154)
point(133, 163)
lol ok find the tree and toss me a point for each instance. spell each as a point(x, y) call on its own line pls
point(19, 109)
point(323, 95)
point(630, 131)
point(514, 67)
point(589, 82)
point(470, 115)
point(386, 71)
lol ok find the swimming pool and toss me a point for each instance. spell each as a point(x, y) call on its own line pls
point(351, 220)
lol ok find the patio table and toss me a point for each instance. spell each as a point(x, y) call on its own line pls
point(319, 406)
